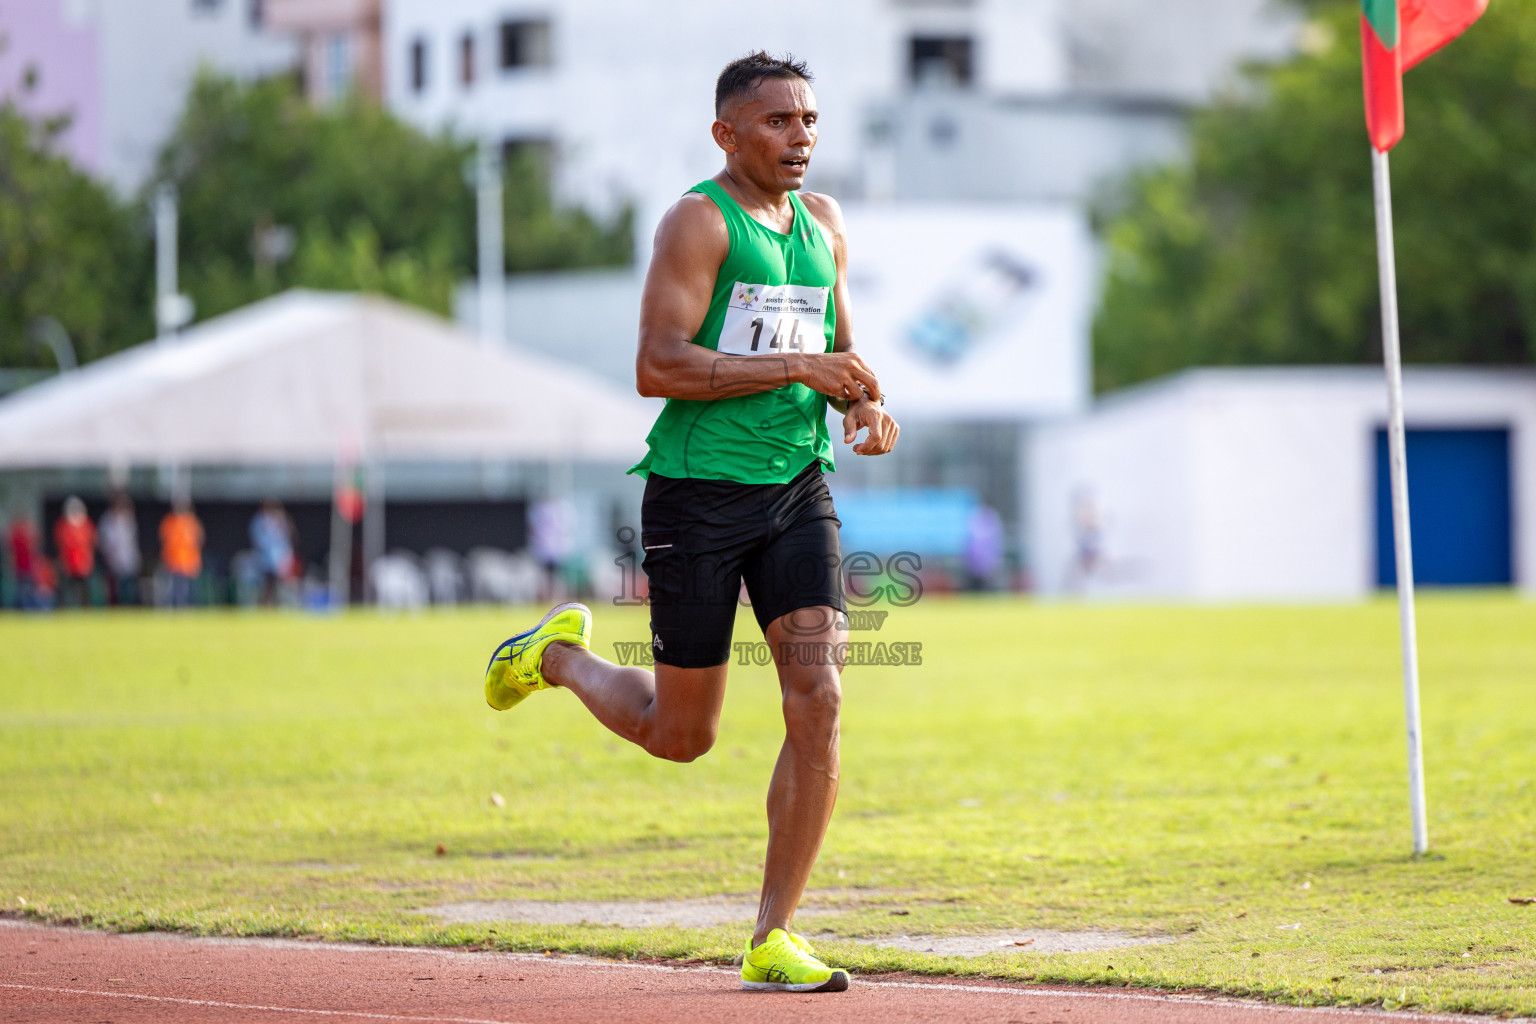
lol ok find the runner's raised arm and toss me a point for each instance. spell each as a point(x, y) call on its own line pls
point(691, 244)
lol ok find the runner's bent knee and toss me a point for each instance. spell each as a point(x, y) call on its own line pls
point(685, 716)
point(682, 744)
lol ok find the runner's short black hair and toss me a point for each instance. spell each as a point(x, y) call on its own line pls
point(741, 75)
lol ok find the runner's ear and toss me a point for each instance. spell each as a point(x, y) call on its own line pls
point(725, 135)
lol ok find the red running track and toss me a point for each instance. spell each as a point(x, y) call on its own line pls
point(69, 975)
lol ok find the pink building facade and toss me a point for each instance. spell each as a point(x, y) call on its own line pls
point(120, 69)
point(50, 66)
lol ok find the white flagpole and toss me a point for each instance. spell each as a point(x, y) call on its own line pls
point(1398, 457)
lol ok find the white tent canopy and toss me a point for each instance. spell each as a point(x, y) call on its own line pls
point(312, 377)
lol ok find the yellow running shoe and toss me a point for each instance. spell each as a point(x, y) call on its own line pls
point(784, 963)
point(514, 669)
point(799, 941)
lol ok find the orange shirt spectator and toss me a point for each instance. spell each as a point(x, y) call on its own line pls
point(181, 543)
point(75, 536)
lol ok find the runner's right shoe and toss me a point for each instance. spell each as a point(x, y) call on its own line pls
point(800, 941)
point(784, 963)
point(514, 671)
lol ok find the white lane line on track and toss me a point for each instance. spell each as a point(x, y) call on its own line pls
point(250, 1006)
point(1021, 989)
point(1197, 1000)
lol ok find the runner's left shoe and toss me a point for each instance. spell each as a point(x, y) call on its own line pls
point(784, 963)
point(514, 671)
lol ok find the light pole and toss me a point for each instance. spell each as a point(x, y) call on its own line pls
point(492, 244)
point(173, 310)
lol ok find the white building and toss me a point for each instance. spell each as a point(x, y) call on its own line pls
point(121, 69)
point(620, 96)
point(1269, 484)
point(977, 99)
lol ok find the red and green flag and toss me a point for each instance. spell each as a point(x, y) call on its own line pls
point(1394, 36)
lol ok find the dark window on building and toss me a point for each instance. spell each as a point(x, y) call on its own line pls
point(258, 13)
point(467, 59)
point(942, 60)
point(418, 65)
point(525, 44)
point(206, 6)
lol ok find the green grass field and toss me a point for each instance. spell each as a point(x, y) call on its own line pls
point(1231, 777)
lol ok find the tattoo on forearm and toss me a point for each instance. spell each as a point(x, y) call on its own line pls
point(732, 376)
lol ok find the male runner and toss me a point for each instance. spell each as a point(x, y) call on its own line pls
point(744, 330)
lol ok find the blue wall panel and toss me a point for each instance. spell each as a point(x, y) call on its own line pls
point(1459, 504)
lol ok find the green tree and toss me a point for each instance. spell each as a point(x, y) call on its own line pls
point(362, 200)
point(68, 250)
point(544, 236)
point(1260, 248)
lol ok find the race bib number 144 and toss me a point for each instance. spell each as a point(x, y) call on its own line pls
point(765, 319)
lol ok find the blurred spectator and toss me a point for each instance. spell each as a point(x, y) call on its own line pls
point(75, 537)
point(1087, 538)
point(34, 576)
point(502, 577)
point(119, 534)
point(272, 538)
point(181, 551)
point(245, 574)
point(549, 529)
point(984, 543)
point(399, 582)
point(445, 576)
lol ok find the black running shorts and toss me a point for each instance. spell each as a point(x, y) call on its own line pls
point(702, 538)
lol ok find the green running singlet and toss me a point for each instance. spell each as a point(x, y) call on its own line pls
point(773, 295)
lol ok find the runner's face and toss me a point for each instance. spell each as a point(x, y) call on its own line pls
point(770, 134)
